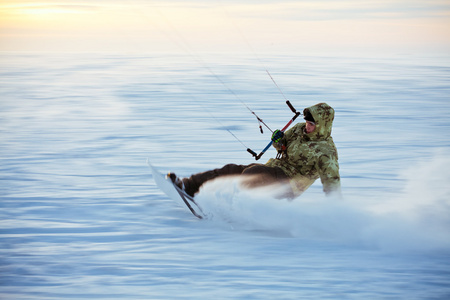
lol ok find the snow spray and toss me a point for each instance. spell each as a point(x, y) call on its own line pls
point(414, 218)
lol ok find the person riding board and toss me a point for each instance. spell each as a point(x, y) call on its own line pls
point(306, 152)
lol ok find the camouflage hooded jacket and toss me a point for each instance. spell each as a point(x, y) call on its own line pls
point(310, 156)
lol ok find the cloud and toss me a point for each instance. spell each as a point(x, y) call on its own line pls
point(318, 10)
point(46, 8)
point(344, 10)
point(286, 24)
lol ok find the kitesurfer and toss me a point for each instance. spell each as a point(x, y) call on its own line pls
point(306, 152)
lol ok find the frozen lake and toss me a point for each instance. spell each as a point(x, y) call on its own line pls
point(81, 216)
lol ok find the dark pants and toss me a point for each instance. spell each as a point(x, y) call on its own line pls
point(263, 176)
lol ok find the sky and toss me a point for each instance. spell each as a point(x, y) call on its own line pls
point(264, 26)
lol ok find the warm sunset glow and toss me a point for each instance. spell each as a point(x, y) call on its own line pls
point(44, 10)
point(223, 26)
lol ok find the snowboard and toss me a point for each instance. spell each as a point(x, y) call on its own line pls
point(175, 193)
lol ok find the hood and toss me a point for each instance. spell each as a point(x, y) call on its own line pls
point(323, 115)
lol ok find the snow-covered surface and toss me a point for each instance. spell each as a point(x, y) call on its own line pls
point(81, 216)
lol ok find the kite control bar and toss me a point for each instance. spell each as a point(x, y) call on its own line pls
point(296, 114)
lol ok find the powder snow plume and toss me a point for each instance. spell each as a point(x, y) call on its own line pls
point(415, 218)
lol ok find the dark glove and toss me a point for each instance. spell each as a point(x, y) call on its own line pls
point(277, 136)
